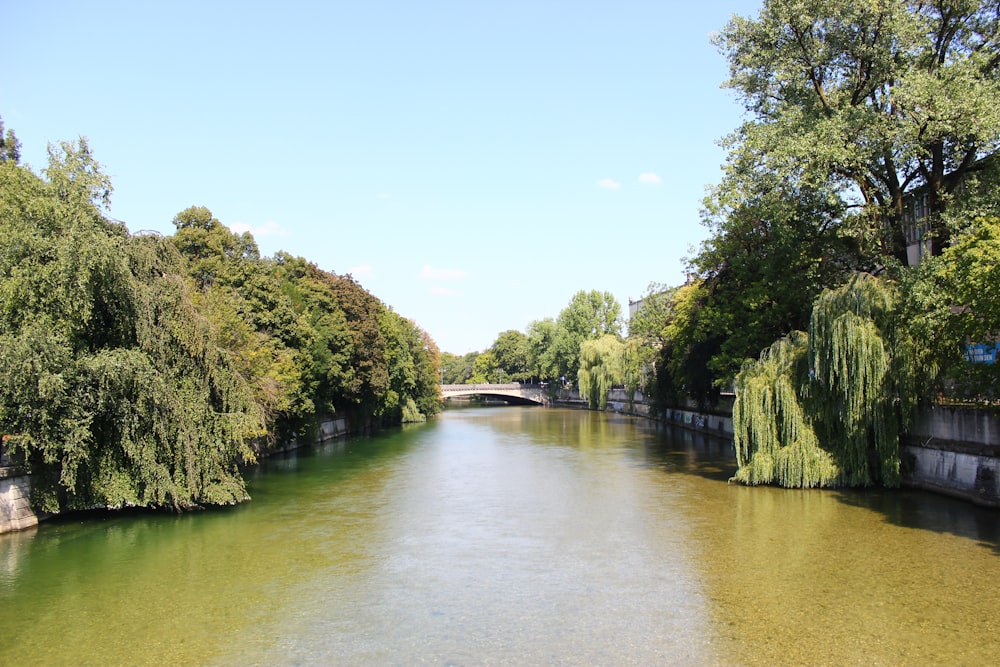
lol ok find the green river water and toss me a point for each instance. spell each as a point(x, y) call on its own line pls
point(512, 536)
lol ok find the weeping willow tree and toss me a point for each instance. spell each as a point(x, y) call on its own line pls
point(115, 389)
point(826, 408)
point(775, 438)
point(602, 365)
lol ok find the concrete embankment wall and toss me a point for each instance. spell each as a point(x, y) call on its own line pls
point(15, 508)
point(955, 451)
point(16, 512)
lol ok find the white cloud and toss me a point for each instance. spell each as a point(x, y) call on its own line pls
point(608, 184)
point(363, 271)
point(444, 291)
point(649, 177)
point(429, 272)
point(269, 228)
point(384, 195)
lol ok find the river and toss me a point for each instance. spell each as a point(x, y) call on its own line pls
point(512, 536)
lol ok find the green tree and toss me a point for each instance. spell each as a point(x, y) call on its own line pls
point(775, 246)
point(213, 251)
point(541, 353)
point(827, 408)
point(243, 297)
point(511, 353)
point(970, 276)
point(115, 390)
point(76, 177)
point(413, 368)
point(637, 367)
point(691, 337)
point(10, 147)
point(954, 300)
point(602, 365)
point(874, 99)
point(650, 320)
point(647, 337)
point(588, 316)
point(457, 369)
point(485, 369)
point(369, 379)
point(427, 359)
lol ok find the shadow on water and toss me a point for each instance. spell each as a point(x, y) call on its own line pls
point(706, 455)
point(712, 457)
point(926, 510)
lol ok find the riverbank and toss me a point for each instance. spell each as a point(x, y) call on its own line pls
point(16, 512)
point(949, 450)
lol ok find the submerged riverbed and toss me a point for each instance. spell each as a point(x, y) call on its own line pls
point(512, 536)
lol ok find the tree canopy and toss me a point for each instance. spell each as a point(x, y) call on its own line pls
point(142, 370)
point(116, 391)
point(588, 316)
point(870, 99)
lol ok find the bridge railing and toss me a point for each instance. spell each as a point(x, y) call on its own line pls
point(509, 386)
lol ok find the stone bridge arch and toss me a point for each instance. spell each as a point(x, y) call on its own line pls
point(514, 392)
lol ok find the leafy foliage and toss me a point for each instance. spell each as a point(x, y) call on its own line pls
point(873, 99)
point(115, 391)
point(827, 409)
point(511, 353)
point(10, 147)
point(143, 371)
point(602, 365)
point(457, 369)
point(852, 107)
point(588, 316)
point(774, 435)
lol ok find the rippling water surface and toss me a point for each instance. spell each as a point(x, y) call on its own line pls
point(512, 536)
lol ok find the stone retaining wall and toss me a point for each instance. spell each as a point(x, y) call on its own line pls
point(15, 509)
point(955, 451)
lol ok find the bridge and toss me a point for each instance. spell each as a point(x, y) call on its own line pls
point(512, 392)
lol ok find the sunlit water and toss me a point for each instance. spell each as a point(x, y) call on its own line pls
point(512, 536)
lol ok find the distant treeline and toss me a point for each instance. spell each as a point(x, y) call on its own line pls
point(142, 370)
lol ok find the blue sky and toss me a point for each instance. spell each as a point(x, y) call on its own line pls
point(472, 164)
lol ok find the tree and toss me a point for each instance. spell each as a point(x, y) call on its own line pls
point(213, 251)
point(776, 244)
point(647, 329)
point(637, 370)
point(10, 147)
point(650, 320)
point(457, 369)
point(602, 365)
point(953, 300)
point(827, 408)
point(541, 353)
point(76, 177)
point(588, 316)
point(970, 276)
point(144, 371)
point(116, 390)
point(427, 359)
point(874, 99)
point(370, 372)
point(485, 369)
point(243, 297)
point(413, 368)
point(511, 353)
point(691, 337)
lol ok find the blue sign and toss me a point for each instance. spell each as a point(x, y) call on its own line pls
point(981, 353)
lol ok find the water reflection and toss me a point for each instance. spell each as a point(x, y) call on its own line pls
point(512, 536)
